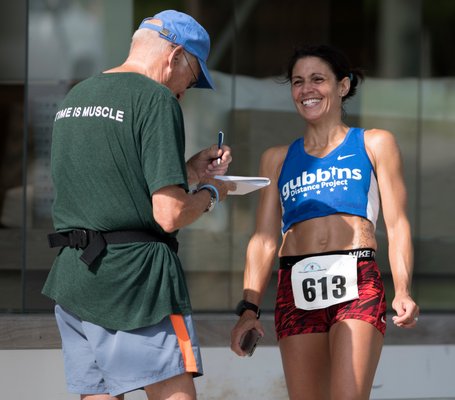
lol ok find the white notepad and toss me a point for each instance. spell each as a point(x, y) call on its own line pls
point(245, 184)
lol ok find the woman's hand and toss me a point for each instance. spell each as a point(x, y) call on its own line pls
point(407, 311)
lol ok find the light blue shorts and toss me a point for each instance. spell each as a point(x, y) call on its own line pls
point(99, 360)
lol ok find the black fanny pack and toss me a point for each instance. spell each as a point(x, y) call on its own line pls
point(94, 242)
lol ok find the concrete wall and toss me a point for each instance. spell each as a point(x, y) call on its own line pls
point(415, 364)
point(404, 372)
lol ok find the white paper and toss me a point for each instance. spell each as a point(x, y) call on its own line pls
point(245, 184)
point(323, 281)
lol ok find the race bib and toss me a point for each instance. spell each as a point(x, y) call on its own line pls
point(322, 281)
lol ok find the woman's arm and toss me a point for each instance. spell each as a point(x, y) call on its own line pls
point(262, 247)
point(386, 158)
point(264, 243)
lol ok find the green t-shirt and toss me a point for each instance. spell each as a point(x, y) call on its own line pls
point(117, 139)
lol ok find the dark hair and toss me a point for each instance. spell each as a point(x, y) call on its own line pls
point(337, 61)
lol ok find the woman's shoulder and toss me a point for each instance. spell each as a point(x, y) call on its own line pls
point(376, 134)
point(380, 143)
point(283, 148)
point(379, 138)
point(272, 159)
point(275, 153)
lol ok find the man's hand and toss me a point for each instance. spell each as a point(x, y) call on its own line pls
point(205, 165)
point(223, 187)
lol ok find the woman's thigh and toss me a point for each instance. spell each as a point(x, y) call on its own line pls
point(355, 349)
point(306, 364)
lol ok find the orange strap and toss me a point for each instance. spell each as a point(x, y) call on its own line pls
point(184, 342)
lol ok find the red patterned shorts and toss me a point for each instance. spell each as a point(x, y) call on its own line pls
point(369, 307)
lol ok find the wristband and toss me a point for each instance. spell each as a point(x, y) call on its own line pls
point(212, 189)
point(214, 196)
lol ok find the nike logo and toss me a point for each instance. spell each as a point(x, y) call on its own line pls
point(339, 158)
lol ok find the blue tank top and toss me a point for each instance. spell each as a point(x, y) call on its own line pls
point(341, 182)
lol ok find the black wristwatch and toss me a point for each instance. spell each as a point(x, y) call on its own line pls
point(246, 305)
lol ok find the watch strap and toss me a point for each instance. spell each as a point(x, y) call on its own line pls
point(244, 305)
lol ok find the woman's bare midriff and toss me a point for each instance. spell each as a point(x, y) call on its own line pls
point(331, 233)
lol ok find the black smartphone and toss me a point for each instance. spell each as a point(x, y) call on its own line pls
point(249, 341)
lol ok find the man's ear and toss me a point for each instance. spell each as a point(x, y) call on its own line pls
point(175, 55)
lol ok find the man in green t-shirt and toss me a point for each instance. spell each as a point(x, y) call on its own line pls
point(121, 195)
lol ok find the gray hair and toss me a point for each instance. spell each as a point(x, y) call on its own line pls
point(146, 37)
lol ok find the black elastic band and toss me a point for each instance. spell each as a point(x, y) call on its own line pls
point(366, 254)
point(93, 242)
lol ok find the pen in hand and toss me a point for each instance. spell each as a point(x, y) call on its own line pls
point(220, 143)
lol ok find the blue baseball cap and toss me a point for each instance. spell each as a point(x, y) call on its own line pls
point(184, 30)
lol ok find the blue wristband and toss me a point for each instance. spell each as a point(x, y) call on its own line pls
point(212, 189)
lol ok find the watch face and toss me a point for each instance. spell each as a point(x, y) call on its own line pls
point(212, 204)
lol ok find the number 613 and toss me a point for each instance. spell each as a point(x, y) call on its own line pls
point(337, 282)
